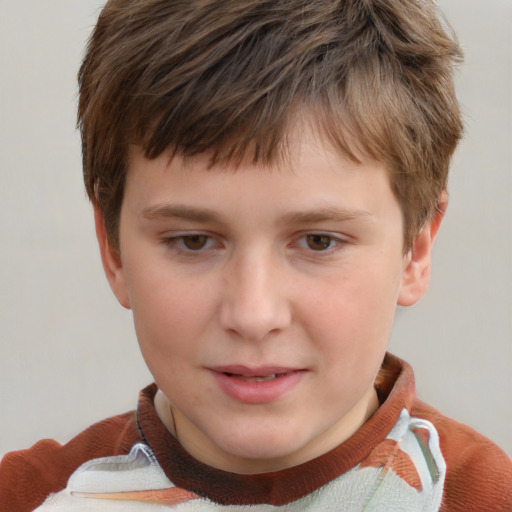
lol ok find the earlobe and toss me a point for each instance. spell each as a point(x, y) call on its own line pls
point(111, 261)
point(416, 271)
point(417, 262)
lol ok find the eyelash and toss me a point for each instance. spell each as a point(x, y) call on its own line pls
point(177, 243)
point(334, 242)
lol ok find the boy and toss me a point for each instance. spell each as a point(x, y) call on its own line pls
point(268, 179)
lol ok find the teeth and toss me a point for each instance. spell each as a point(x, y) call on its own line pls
point(261, 379)
point(257, 378)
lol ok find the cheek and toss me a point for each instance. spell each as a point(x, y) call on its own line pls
point(350, 319)
point(168, 313)
point(169, 334)
point(355, 303)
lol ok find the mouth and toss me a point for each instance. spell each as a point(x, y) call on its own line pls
point(256, 385)
point(254, 374)
point(256, 378)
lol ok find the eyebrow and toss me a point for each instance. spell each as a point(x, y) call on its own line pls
point(328, 214)
point(195, 214)
point(179, 211)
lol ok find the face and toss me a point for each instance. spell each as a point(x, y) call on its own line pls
point(262, 298)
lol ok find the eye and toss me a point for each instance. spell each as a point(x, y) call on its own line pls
point(319, 242)
point(194, 242)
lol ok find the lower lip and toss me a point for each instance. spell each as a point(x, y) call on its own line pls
point(258, 392)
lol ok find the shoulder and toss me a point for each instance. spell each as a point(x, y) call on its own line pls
point(27, 477)
point(479, 473)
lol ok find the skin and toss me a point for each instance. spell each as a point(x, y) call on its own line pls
point(299, 266)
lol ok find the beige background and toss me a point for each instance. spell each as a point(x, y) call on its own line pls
point(68, 355)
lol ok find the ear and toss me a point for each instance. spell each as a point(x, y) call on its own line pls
point(111, 260)
point(417, 262)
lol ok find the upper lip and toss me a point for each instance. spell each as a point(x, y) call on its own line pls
point(256, 371)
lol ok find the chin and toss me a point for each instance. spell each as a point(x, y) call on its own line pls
point(263, 452)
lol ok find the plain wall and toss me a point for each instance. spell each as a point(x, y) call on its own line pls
point(68, 353)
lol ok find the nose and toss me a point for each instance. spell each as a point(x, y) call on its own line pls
point(254, 298)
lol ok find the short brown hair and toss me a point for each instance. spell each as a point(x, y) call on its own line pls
point(227, 76)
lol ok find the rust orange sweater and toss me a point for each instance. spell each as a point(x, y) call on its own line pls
point(477, 476)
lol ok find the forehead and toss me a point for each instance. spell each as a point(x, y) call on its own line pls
point(307, 175)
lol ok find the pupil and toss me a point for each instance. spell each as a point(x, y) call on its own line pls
point(194, 242)
point(318, 242)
